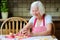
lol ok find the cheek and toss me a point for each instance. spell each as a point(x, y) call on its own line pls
point(37, 12)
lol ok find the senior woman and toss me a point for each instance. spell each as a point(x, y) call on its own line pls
point(40, 23)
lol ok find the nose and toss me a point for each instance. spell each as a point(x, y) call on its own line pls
point(34, 12)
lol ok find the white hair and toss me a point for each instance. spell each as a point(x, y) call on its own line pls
point(40, 7)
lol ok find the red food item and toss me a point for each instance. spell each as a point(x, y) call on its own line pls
point(10, 36)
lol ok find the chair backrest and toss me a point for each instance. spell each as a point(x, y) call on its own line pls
point(53, 29)
point(13, 24)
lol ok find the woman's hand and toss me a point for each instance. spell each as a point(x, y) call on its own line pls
point(26, 29)
point(23, 31)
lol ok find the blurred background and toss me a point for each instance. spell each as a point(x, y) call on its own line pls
point(22, 7)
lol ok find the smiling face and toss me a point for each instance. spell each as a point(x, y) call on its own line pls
point(37, 9)
point(36, 12)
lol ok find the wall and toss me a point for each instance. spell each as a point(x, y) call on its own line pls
point(21, 7)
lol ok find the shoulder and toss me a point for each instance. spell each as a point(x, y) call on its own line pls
point(48, 16)
point(48, 19)
point(32, 19)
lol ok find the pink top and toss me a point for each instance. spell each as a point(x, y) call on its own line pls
point(39, 28)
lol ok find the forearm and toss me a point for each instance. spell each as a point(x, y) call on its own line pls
point(45, 33)
point(28, 26)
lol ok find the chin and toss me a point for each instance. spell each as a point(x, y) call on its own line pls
point(37, 17)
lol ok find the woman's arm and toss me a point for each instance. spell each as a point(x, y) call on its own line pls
point(26, 28)
point(47, 32)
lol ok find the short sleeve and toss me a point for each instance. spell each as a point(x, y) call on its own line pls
point(48, 19)
point(32, 20)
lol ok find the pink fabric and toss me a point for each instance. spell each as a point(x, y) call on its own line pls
point(14, 35)
point(39, 28)
point(10, 36)
point(19, 34)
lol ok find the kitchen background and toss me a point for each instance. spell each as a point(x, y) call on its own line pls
point(21, 8)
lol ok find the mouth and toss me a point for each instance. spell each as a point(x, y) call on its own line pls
point(36, 14)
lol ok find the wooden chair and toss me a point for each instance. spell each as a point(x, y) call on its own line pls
point(13, 24)
point(53, 30)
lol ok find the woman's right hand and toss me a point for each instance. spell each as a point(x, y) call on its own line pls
point(23, 31)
